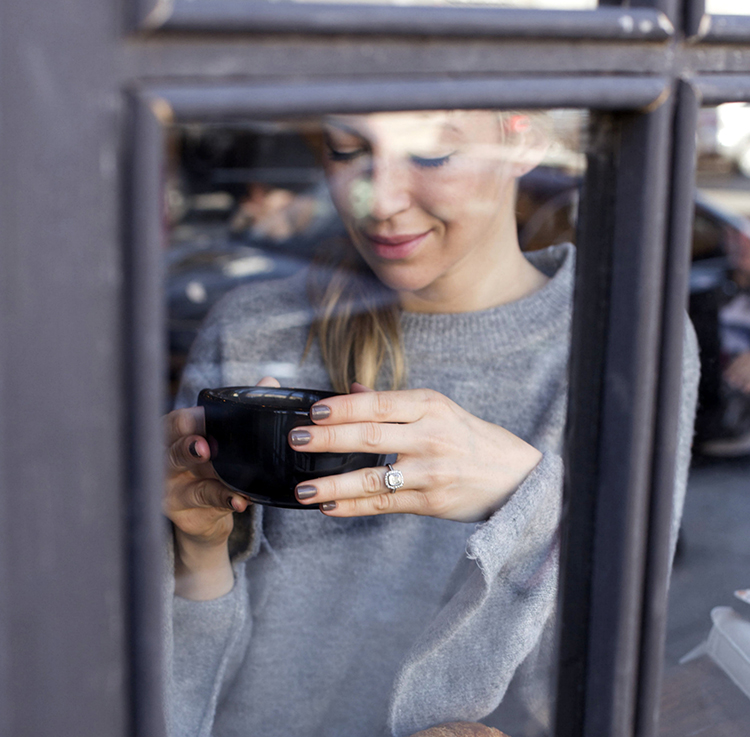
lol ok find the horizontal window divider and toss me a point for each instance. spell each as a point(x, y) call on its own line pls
point(254, 16)
point(218, 103)
point(715, 89)
point(724, 29)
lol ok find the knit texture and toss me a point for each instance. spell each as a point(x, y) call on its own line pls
point(387, 625)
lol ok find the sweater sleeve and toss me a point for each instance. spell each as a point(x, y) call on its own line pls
point(461, 666)
point(210, 639)
point(205, 641)
point(501, 616)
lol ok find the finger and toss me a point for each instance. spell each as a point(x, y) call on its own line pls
point(182, 422)
point(364, 482)
point(268, 381)
point(363, 406)
point(190, 453)
point(364, 437)
point(402, 502)
point(205, 493)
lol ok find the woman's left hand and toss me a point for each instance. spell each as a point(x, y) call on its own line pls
point(454, 465)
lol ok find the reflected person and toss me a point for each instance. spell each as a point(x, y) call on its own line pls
point(392, 611)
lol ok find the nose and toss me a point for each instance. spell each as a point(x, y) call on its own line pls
point(390, 188)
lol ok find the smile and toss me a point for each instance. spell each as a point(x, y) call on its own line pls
point(397, 246)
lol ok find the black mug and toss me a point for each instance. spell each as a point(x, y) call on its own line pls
point(247, 429)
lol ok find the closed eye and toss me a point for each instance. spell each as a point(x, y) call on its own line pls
point(430, 163)
point(334, 155)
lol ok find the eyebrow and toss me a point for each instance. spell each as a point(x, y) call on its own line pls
point(345, 128)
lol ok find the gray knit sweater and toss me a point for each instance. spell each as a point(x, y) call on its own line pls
point(387, 625)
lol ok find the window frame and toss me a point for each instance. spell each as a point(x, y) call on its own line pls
point(181, 61)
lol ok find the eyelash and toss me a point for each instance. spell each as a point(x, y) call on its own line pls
point(420, 161)
point(334, 155)
point(431, 163)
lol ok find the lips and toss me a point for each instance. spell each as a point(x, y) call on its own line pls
point(395, 247)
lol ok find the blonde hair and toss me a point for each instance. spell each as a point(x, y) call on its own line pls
point(357, 320)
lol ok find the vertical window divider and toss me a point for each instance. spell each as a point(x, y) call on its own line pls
point(145, 363)
point(661, 536)
point(607, 495)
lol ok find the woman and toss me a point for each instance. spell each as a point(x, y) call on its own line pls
point(358, 620)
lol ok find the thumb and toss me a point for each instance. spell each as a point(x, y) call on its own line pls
point(268, 381)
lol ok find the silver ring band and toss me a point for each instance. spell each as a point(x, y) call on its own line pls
point(393, 479)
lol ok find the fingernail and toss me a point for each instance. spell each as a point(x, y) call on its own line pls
point(300, 437)
point(320, 412)
point(327, 506)
point(306, 492)
point(194, 450)
point(230, 503)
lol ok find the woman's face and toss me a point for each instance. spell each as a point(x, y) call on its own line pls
point(423, 195)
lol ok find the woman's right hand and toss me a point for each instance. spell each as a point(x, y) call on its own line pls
point(199, 506)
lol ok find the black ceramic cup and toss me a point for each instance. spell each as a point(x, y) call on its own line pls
point(247, 430)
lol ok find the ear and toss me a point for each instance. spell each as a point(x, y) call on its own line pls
point(529, 141)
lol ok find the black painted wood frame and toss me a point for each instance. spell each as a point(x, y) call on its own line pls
point(85, 94)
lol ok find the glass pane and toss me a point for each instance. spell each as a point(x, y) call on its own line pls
point(709, 624)
point(416, 250)
point(728, 7)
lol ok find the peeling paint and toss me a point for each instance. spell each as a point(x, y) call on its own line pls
point(159, 14)
point(705, 26)
point(665, 24)
point(162, 110)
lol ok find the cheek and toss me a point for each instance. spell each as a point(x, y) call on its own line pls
point(460, 197)
point(338, 187)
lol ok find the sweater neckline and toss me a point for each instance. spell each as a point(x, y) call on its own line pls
point(513, 324)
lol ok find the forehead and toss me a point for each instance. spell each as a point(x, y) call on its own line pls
point(422, 127)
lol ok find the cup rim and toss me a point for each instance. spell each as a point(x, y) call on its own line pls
point(229, 395)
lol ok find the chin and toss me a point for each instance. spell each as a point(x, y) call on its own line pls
point(402, 282)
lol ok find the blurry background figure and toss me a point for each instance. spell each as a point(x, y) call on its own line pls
point(272, 212)
point(732, 433)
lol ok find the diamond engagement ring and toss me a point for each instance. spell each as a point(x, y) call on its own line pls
point(393, 479)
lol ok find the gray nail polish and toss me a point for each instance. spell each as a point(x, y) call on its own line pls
point(306, 492)
point(300, 437)
point(328, 506)
point(320, 412)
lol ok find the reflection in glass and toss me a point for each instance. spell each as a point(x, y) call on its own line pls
point(707, 621)
point(383, 249)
